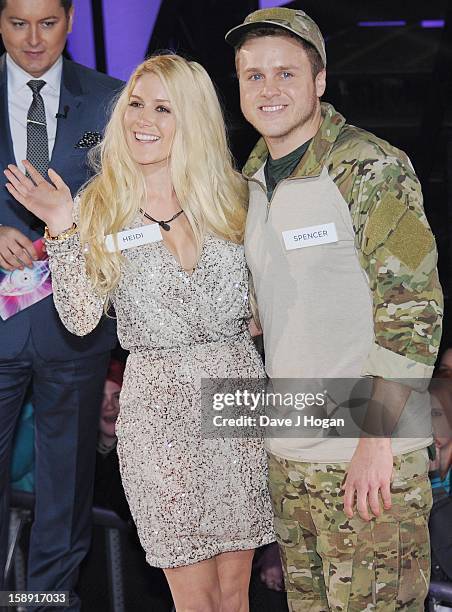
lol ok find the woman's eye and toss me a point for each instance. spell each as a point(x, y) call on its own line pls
point(162, 109)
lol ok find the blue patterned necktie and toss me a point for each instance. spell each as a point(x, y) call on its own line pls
point(37, 140)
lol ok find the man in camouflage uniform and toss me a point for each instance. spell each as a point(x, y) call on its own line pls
point(363, 299)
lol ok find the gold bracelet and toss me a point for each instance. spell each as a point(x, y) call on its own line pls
point(70, 231)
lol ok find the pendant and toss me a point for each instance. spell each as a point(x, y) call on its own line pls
point(165, 226)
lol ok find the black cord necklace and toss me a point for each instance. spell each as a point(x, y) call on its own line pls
point(163, 224)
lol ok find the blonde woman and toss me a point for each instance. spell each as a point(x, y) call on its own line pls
point(201, 506)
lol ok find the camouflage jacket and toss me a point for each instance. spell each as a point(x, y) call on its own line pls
point(393, 241)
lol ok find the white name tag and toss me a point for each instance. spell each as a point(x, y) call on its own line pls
point(310, 236)
point(134, 237)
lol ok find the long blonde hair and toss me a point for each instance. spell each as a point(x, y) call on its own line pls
point(209, 190)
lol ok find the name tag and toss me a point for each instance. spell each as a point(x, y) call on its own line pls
point(310, 236)
point(134, 237)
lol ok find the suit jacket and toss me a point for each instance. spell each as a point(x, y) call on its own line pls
point(85, 99)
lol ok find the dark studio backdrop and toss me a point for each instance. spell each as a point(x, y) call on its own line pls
point(389, 71)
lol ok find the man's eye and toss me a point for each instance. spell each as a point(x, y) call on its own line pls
point(18, 24)
point(48, 24)
point(255, 77)
point(286, 75)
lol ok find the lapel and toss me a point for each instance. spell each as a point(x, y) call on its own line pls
point(6, 143)
point(71, 99)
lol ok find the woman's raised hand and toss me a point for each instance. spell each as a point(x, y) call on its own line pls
point(50, 202)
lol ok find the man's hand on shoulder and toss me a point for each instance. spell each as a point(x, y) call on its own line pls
point(369, 474)
point(16, 250)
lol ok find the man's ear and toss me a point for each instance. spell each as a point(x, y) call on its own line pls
point(70, 20)
point(320, 83)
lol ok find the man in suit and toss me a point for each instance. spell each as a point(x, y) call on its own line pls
point(51, 111)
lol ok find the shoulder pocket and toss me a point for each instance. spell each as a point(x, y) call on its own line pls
point(400, 230)
point(381, 222)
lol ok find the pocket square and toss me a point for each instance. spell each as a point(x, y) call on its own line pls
point(88, 140)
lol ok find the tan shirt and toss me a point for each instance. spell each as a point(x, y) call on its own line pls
point(315, 304)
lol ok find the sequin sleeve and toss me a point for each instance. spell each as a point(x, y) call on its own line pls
point(79, 307)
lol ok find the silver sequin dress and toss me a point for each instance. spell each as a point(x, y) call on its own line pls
point(191, 497)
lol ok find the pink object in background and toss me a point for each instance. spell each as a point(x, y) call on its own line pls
point(20, 289)
point(80, 42)
point(272, 3)
point(128, 30)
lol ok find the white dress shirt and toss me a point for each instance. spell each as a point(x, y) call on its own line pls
point(19, 99)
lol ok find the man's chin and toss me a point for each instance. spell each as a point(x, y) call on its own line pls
point(274, 135)
point(34, 66)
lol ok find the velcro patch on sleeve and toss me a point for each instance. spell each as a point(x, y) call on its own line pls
point(411, 241)
point(382, 221)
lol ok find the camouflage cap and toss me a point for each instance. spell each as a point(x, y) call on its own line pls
point(295, 21)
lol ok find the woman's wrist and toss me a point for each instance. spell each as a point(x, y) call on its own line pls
point(60, 226)
point(66, 233)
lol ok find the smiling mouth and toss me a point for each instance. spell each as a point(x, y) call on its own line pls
point(146, 137)
point(272, 109)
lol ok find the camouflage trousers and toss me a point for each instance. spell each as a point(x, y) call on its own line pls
point(336, 564)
